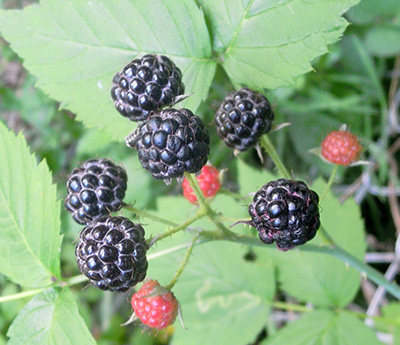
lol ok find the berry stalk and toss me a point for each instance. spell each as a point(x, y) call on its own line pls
point(200, 214)
point(270, 149)
point(330, 181)
point(222, 231)
point(68, 282)
point(149, 215)
point(183, 263)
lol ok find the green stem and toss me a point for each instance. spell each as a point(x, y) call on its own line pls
point(222, 231)
point(194, 183)
point(330, 182)
point(69, 282)
point(21, 295)
point(291, 307)
point(200, 213)
point(149, 215)
point(183, 263)
point(270, 149)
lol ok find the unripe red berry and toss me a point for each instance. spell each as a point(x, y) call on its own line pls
point(155, 305)
point(341, 147)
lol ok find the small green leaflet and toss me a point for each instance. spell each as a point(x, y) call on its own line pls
point(324, 327)
point(264, 44)
point(29, 215)
point(75, 47)
point(50, 318)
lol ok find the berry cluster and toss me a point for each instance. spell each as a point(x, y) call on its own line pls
point(111, 251)
point(242, 118)
point(286, 212)
point(97, 187)
point(170, 141)
point(146, 85)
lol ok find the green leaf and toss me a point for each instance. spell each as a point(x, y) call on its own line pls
point(29, 215)
point(50, 318)
point(383, 40)
point(219, 291)
point(251, 180)
point(264, 44)
point(318, 278)
point(324, 327)
point(75, 48)
point(224, 299)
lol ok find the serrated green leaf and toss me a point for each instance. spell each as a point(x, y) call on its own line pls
point(264, 44)
point(29, 215)
point(75, 48)
point(318, 278)
point(50, 318)
point(323, 328)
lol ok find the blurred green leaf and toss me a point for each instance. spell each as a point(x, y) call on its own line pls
point(383, 40)
point(251, 180)
point(139, 190)
point(50, 318)
point(370, 11)
point(266, 44)
point(324, 327)
point(390, 322)
point(29, 215)
point(75, 48)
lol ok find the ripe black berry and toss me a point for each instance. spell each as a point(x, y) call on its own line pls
point(171, 142)
point(242, 118)
point(95, 188)
point(285, 211)
point(145, 85)
point(111, 252)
